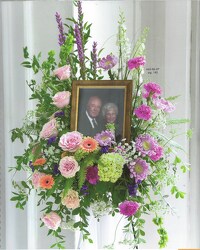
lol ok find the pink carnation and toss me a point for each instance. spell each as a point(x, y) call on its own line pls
point(52, 220)
point(143, 112)
point(61, 99)
point(163, 104)
point(49, 129)
point(71, 200)
point(68, 166)
point(136, 62)
point(63, 73)
point(36, 179)
point(151, 89)
point(92, 175)
point(128, 208)
point(70, 141)
point(109, 62)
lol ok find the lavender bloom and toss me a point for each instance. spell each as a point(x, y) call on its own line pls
point(59, 113)
point(61, 37)
point(51, 140)
point(79, 44)
point(108, 62)
point(105, 138)
point(94, 57)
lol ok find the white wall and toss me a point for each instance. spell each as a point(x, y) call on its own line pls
point(168, 48)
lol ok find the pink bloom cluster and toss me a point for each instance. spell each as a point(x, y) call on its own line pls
point(143, 112)
point(63, 73)
point(151, 89)
point(49, 129)
point(163, 104)
point(52, 220)
point(136, 62)
point(147, 145)
point(92, 175)
point(68, 166)
point(61, 99)
point(70, 141)
point(36, 179)
point(71, 200)
point(139, 169)
point(109, 62)
point(128, 208)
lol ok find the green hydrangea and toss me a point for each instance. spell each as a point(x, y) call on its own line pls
point(110, 167)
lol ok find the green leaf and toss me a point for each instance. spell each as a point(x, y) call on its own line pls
point(24, 184)
point(26, 54)
point(68, 185)
point(82, 175)
point(16, 198)
point(177, 160)
point(177, 121)
point(189, 133)
point(171, 98)
point(26, 64)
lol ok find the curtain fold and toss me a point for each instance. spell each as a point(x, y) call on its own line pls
point(32, 24)
point(194, 199)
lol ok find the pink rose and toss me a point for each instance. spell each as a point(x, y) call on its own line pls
point(70, 141)
point(71, 200)
point(61, 99)
point(51, 220)
point(49, 129)
point(36, 179)
point(68, 166)
point(63, 73)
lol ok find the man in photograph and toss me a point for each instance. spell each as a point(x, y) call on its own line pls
point(89, 122)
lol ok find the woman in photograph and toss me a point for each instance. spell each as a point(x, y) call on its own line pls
point(110, 115)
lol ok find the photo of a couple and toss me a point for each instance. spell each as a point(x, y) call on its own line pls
point(97, 105)
point(98, 111)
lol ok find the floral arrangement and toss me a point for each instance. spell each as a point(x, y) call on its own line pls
point(71, 172)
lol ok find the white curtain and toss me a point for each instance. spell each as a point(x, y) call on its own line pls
point(169, 49)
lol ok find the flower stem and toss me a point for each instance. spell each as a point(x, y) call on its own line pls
point(116, 230)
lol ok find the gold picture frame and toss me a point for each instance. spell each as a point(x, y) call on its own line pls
point(113, 99)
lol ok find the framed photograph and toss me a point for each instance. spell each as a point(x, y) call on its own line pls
point(96, 103)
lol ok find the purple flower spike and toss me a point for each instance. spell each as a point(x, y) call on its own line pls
point(94, 57)
point(84, 190)
point(51, 140)
point(31, 166)
point(104, 149)
point(79, 44)
point(55, 169)
point(80, 16)
point(59, 114)
point(61, 37)
point(132, 189)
